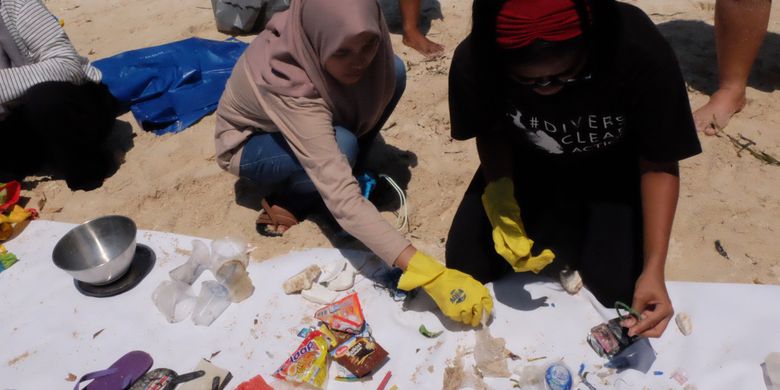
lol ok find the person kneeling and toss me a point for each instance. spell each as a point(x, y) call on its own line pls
point(581, 115)
point(53, 110)
point(306, 98)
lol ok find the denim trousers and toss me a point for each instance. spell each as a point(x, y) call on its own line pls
point(268, 160)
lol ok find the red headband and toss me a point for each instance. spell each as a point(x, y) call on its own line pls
point(521, 22)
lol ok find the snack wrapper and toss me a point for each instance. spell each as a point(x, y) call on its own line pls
point(309, 363)
point(344, 315)
point(343, 375)
point(335, 337)
point(360, 355)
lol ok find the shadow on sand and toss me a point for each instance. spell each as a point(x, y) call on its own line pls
point(694, 43)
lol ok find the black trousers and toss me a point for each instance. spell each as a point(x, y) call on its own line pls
point(595, 232)
point(63, 126)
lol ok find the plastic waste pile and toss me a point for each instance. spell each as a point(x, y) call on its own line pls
point(227, 261)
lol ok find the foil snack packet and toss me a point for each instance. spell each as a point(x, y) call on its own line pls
point(344, 315)
point(309, 363)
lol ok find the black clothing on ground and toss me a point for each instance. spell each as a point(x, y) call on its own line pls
point(576, 157)
point(63, 126)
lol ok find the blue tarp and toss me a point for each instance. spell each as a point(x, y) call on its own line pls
point(171, 86)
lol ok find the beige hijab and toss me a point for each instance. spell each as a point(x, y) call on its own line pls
point(288, 58)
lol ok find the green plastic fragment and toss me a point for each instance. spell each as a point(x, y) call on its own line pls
point(7, 260)
point(427, 333)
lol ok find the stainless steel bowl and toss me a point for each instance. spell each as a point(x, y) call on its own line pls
point(98, 251)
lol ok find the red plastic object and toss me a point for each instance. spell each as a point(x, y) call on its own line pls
point(385, 380)
point(256, 383)
point(12, 191)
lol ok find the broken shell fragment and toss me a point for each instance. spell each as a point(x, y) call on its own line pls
point(302, 280)
point(319, 294)
point(684, 323)
point(344, 280)
point(571, 281)
point(332, 271)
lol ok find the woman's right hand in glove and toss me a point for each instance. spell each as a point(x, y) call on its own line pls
point(458, 295)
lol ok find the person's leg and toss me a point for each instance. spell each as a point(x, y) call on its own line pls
point(740, 27)
point(20, 157)
point(268, 160)
point(413, 37)
point(611, 258)
point(71, 123)
point(469, 247)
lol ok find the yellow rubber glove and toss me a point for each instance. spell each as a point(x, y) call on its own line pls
point(458, 295)
point(509, 237)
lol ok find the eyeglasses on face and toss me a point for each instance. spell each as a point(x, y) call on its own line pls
point(550, 81)
point(576, 73)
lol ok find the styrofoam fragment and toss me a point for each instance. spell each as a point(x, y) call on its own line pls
point(319, 294)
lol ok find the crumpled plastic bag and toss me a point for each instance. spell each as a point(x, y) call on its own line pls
point(170, 87)
point(490, 354)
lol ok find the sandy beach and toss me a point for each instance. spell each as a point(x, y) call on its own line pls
point(172, 183)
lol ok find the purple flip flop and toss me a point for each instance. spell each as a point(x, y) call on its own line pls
point(121, 374)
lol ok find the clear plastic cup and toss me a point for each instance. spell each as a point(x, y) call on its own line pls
point(232, 274)
point(212, 301)
point(174, 300)
point(227, 249)
point(199, 261)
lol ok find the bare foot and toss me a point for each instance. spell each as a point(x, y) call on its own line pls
point(723, 104)
point(425, 46)
point(279, 229)
point(274, 220)
point(272, 230)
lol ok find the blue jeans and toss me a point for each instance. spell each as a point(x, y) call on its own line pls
point(268, 160)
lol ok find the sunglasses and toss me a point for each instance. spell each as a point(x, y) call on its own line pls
point(578, 72)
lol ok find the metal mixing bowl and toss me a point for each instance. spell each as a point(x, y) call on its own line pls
point(98, 251)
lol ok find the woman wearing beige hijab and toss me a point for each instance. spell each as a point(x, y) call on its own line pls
point(312, 90)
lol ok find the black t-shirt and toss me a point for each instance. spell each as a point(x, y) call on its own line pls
point(639, 109)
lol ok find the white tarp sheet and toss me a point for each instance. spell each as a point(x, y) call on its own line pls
point(47, 326)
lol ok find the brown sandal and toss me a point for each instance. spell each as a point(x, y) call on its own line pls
point(275, 216)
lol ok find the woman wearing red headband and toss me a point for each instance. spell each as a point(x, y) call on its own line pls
point(581, 115)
